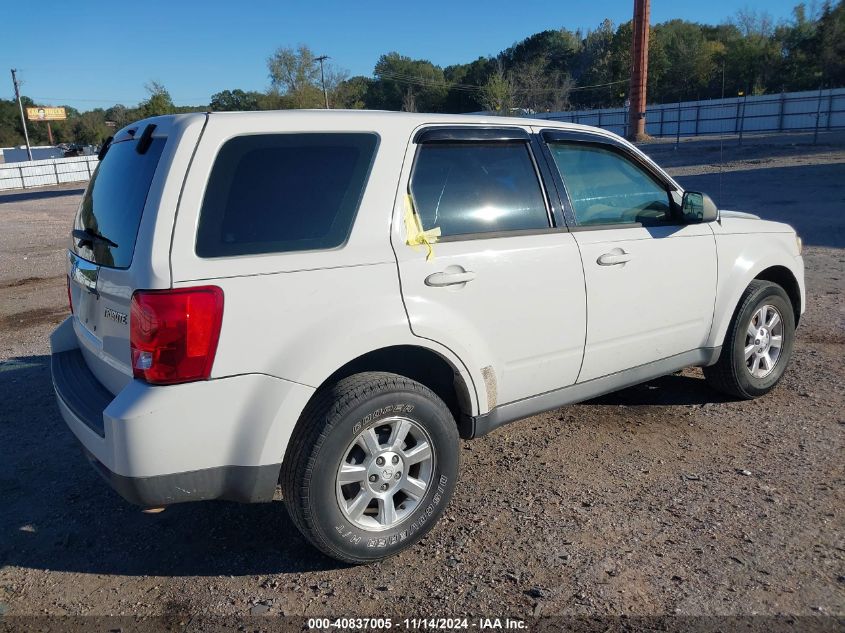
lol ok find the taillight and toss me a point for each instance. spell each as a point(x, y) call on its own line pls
point(69, 297)
point(173, 333)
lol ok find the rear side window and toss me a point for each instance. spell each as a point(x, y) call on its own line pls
point(272, 193)
point(114, 202)
point(468, 188)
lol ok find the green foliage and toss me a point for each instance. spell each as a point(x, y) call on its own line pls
point(159, 101)
point(351, 93)
point(296, 74)
point(231, 100)
point(498, 93)
point(402, 83)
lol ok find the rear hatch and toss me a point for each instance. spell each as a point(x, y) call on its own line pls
point(103, 240)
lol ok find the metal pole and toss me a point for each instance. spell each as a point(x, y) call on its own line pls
point(20, 107)
point(829, 106)
point(742, 119)
point(678, 131)
point(736, 118)
point(321, 59)
point(818, 116)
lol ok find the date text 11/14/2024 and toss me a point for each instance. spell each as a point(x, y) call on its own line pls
point(416, 624)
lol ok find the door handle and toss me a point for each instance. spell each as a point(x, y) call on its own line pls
point(612, 259)
point(441, 279)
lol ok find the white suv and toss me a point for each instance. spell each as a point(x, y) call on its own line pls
point(328, 300)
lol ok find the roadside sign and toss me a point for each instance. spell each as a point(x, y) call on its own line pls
point(46, 114)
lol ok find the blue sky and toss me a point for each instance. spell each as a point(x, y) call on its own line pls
point(93, 54)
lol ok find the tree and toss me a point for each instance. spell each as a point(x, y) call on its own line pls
point(351, 93)
point(690, 60)
point(293, 70)
point(465, 84)
point(231, 100)
point(831, 44)
point(498, 93)
point(120, 115)
point(295, 73)
point(89, 128)
point(159, 101)
point(395, 74)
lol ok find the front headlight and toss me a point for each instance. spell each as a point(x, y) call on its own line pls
point(799, 243)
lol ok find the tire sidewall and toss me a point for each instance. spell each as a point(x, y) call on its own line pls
point(775, 296)
point(328, 519)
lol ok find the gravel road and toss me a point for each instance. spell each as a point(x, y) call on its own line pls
point(665, 498)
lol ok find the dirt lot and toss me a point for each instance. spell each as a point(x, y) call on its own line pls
point(662, 499)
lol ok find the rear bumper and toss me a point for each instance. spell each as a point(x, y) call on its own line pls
point(158, 445)
point(247, 484)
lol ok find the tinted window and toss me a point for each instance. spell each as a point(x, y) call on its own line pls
point(283, 192)
point(604, 187)
point(477, 188)
point(114, 202)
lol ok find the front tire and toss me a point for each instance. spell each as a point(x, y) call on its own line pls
point(758, 343)
point(370, 467)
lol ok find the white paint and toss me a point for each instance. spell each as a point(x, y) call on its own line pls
point(292, 319)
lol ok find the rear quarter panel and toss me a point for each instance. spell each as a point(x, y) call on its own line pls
point(300, 316)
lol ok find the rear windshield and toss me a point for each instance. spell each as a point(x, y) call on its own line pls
point(114, 202)
point(271, 193)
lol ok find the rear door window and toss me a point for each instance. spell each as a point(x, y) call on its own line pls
point(114, 203)
point(273, 193)
point(467, 188)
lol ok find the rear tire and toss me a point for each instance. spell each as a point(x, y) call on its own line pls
point(757, 345)
point(370, 467)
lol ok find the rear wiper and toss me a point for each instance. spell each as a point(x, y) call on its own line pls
point(104, 148)
point(89, 236)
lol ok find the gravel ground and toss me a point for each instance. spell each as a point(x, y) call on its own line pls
point(665, 498)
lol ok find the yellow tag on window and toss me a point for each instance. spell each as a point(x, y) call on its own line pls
point(416, 235)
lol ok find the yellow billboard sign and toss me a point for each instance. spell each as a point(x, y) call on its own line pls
point(46, 114)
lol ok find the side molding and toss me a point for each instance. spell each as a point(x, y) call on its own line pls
point(477, 426)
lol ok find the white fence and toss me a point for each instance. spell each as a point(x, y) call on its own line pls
point(792, 111)
point(41, 173)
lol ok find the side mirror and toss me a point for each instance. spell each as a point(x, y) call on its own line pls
point(698, 207)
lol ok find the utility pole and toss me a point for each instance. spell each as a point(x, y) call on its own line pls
point(20, 107)
point(639, 70)
point(321, 59)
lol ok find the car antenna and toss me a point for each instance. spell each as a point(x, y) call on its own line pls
point(721, 145)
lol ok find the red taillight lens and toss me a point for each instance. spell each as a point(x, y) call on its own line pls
point(173, 333)
point(69, 297)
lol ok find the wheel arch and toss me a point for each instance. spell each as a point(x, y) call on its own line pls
point(784, 278)
point(422, 364)
point(742, 267)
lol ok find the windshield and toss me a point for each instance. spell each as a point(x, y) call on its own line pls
point(108, 218)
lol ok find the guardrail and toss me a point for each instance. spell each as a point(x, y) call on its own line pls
point(810, 111)
point(42, 173)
